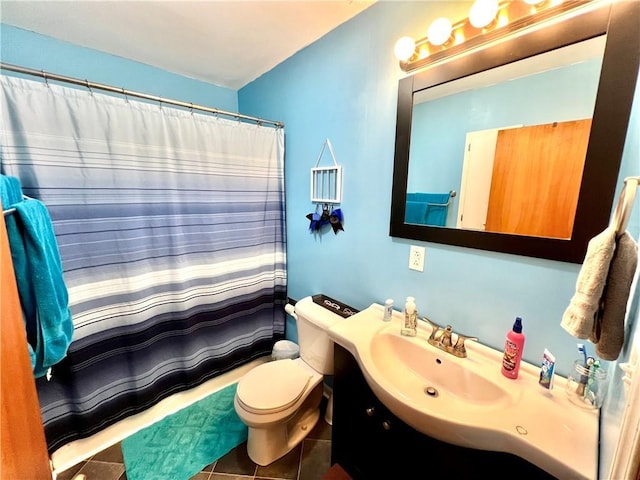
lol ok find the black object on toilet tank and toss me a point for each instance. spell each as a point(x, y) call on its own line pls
point(337, 307)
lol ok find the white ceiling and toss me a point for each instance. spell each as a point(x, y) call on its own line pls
point(228, 43)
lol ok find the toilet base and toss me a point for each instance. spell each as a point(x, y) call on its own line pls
point(266, 445)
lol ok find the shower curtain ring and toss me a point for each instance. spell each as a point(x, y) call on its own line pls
point(191, 108)
point(46, 79)
point(124, 94)
point(88, 86)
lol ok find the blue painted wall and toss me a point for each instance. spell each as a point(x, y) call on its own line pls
point(28, 49)
point(344, 87)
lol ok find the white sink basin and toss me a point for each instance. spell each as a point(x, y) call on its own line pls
point(433, 375)
point(467, 401)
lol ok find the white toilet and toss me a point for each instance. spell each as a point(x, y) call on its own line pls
point(280, 400)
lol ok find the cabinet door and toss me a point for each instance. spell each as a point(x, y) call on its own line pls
point(350, 417)
point(368, 441)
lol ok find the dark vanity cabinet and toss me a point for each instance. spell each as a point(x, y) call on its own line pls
point(369, 442)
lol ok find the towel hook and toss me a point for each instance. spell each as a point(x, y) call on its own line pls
point(625, 204)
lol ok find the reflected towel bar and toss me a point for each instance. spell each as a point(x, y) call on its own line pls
point(452, 194)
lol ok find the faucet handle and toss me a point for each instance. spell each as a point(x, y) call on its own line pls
point(459, 349)
point(445, 338)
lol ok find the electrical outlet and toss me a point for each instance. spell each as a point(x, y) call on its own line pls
point(416, 258)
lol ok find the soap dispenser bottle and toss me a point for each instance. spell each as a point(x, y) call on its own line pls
point(513, 347)
point(410, 325)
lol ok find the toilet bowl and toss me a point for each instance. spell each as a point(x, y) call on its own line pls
point(279, 401)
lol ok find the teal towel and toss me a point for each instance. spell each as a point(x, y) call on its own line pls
point(436, 215)
point(10, 194)
point(10, 191)
point(43, 293)
point(415, 212)
point(420, 208)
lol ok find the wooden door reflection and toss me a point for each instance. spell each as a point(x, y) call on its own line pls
point(537, 172)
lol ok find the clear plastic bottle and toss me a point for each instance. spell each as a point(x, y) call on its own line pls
point(410, 324)
point(388, 310)
point(513, 347)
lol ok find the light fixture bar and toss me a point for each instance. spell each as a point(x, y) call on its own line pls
point(511, 16)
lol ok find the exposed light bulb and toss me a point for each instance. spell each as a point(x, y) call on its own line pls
point(405, 48)
point(483, 12)
point(439, 31)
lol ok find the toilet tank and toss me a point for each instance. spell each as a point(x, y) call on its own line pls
point(313, 321)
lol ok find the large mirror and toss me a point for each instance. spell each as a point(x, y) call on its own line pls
point(516, 148)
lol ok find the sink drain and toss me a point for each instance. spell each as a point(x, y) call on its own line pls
point(431, 392)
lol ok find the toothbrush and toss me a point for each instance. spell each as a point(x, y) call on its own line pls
point(583, 351)
point(583, 378)
point(594, 365)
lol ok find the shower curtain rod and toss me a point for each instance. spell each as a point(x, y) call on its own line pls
point(86, 83)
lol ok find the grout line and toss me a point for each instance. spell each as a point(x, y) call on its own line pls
point(272, 478)
point(230, 475)
point(300, 460)
point(79, 471)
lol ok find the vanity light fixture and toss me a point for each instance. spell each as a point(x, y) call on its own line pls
point(488, 21)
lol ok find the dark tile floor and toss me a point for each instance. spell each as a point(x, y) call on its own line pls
point(310, 460)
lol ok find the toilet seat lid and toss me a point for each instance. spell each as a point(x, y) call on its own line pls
point(272, 386)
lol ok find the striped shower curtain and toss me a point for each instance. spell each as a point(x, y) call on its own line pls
point(170, 226)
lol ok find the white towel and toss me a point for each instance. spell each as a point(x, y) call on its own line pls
point(579, 317)
point(608, 333)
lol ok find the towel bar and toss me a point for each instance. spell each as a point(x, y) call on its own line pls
point(9, 211)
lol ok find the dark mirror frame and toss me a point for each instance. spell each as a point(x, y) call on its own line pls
point(619, 20)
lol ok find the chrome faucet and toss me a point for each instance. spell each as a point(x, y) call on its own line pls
point(442, 338)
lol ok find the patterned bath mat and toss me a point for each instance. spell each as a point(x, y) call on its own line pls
point(182, 444)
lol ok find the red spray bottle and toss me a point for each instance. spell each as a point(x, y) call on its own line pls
point(513, 348)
